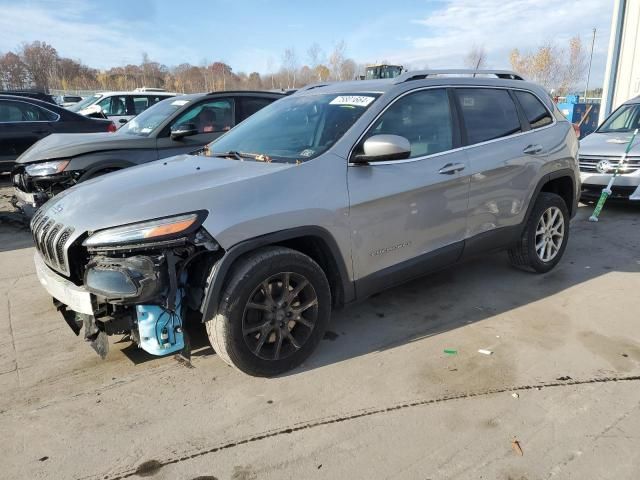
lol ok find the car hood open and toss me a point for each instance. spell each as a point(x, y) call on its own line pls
point(68, 145)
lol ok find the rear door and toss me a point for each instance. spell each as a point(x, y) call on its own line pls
point(211, 117)
point(21, 125)
point(117, 108)
point(504, 158)
point(408, 216)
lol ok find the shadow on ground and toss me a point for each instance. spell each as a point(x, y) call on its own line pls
point(473, 291)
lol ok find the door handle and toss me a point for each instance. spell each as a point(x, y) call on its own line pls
point(122, 121)
point(532, 149)
point(451, 168)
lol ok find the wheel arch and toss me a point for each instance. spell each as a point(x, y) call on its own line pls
point(315, 242)
point(105, 165)
point(561, 182)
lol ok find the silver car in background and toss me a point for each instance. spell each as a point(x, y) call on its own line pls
point(319, 199)
point(600, 153)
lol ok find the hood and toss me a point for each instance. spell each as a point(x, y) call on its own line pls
point(609, 144)
point(66, 145)
point(172, 186)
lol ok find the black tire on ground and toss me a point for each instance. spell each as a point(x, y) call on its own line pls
point(525, 254)
point(281, 343)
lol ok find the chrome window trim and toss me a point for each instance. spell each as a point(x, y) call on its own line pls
point(464, 147)
point(33, 105)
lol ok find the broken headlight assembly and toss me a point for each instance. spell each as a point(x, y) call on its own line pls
point(150, 231)
point(46, 168)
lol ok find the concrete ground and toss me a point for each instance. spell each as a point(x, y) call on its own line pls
point(558, 398)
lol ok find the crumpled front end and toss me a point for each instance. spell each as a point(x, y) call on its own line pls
point(137, 289)
point(31, 192)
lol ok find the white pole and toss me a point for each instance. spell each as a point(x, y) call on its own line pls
point(586, 87)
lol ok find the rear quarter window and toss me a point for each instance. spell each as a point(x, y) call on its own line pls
point(537, 114)
point(488, 114)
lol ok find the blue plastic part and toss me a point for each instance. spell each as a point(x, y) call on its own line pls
point(153, 320)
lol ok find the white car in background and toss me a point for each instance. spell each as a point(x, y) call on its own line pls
point(120, 107)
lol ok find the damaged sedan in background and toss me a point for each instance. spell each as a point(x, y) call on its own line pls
point(170, 127)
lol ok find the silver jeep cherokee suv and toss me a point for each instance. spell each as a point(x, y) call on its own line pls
point(322, 198)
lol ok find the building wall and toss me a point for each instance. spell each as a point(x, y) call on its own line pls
point(626, 84)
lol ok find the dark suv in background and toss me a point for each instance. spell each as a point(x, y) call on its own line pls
point(171, 127)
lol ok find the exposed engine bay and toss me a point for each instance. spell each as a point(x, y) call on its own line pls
point(142, 291)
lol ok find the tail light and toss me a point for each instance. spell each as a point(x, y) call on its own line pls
point(112, 127)
point(576, 129)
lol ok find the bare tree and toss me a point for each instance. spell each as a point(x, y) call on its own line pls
point(40, 59)
point(336, 59)
point(575, 68)
point(476, 59)
point(348, 69)
point(315, 55)
point(13, 71)
point(290, 66)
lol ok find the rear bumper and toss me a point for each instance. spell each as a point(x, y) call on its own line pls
point(72, 296)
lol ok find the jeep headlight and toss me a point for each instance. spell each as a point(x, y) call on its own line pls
point(46, 168)
point(152, 230)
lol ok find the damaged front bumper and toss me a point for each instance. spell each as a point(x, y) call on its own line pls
point(156, 329)
point(33, 192)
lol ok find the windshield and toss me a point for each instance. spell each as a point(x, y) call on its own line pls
point(85, 103)
point(145, 123)
point(294, 129)
point(624, 119)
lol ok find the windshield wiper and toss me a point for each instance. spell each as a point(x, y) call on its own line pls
point(260, 157)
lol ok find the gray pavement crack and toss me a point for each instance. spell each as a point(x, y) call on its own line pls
point(13, 343)
point(360, 414)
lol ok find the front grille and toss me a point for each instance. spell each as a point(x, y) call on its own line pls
point(589, 163)
point(50, 239)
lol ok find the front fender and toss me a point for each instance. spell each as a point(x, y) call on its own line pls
point(220, 270)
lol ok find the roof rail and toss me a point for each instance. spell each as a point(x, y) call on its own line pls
point(422, 74)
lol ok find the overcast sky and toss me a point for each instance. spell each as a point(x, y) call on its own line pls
point(252, 34)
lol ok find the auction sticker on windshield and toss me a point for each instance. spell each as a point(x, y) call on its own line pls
point(355, 100)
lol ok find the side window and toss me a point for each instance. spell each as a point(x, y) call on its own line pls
point(488, 114)
point(209, 117)
point(154, 100)
point(140, 104)
point(250, 105)
point(24, 112)
point(536, 113)
point(423, 118)
point(10, 112)
point(114, 105)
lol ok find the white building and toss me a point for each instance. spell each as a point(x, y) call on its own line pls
point(622, 75)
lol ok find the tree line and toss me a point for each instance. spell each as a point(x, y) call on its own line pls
point(37, 65)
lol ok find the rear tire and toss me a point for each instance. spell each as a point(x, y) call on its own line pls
point(545, 236)
point(273, 313)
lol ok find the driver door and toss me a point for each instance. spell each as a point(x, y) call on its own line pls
point(409, 216)
point(212, 118)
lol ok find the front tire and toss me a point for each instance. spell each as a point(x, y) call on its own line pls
point(545, 236)
point(274, 311)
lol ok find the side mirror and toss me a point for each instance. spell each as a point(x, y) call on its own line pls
point(183, 130)
point(383, 147)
